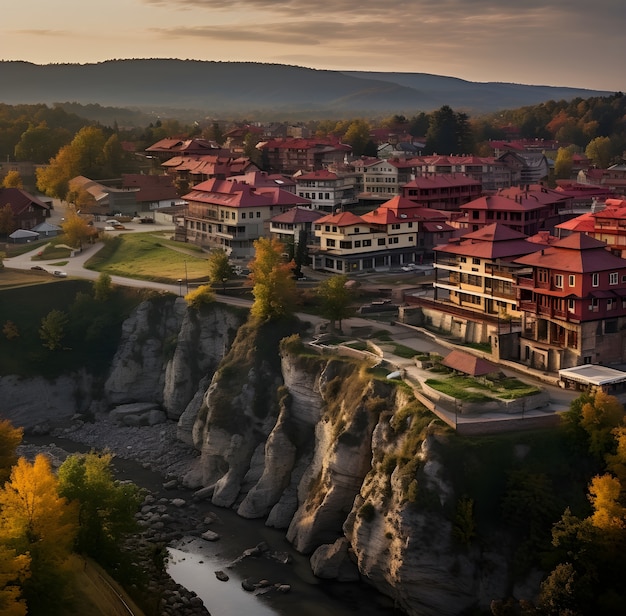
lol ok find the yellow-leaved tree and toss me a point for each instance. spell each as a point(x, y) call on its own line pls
point(274, 287)
point(13, 571)
point(10, 438)
point(36, 521)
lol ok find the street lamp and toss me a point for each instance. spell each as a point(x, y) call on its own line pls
point(180, 287)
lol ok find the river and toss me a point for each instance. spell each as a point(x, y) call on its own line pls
point(193, 561)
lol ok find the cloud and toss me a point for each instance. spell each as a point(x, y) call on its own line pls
point(41, 32)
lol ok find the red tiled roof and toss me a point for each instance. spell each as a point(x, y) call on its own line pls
point(298, 215)
point(400, 209)
point(343, 219)
point(469, 364)
point(20, 200)
point(321, 174)
point(577, 253)
point(496, 241)
point(584, 223)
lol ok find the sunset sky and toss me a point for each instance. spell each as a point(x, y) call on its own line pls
point(539, 42)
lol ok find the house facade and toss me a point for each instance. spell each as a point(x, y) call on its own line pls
point(381, 179)
point(328, 191)
point(477, 271)
point(573, 304)
point(231, 215)
point(395, 234)
point(295, 225)
point(291, 155)
point(442, 192)
point(527, 210)
point(28, 211)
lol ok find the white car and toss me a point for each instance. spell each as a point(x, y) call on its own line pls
point(59, 274)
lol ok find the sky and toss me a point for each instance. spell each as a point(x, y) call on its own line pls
point(576, 43)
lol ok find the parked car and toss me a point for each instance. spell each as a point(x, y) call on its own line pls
point(38, 267)
point(59, 274)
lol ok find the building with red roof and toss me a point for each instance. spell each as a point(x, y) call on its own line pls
point(445, 192)
point(291, 155)
point(526, 209)
point(28, 211)
point(477, 271)
point(167, 148)
point(231, 215)
point(196, 169)
point(573, 300)
point(379, 179)
point(396, 234)
point(327, 190)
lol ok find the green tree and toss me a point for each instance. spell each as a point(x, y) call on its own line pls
point(36, 520)
point(12, 179)
point(274, 287)
point(52, 329)
point(443, 133)
point(102, 287)
point(106, 508)
point(336, 299)
point(220, 269)
point(600, 152)
point(250, 150)
point(39, 143)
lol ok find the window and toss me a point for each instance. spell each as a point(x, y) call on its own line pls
point(475, 261)
point(595, 280)
point(395, 226)
point(243, 215)
point(367, 243)
point(357, 230)
point(613, 278)
point(558, 281)
point(345, 244)
point(357, 244)
point(258, 214)
point(462, 260)
point(393, 240)
point(571, 305)
point(381, 241)
point(330, 243)
point(611, 303)
point(326, 227)
point(572, 280)
point(610, 326)
point(334, 229)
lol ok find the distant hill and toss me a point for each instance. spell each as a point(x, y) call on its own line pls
point(236, 88)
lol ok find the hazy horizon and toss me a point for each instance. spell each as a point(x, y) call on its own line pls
point(571, 44)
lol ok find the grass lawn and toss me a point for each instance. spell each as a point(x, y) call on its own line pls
point(474, 390)
point(148, 256)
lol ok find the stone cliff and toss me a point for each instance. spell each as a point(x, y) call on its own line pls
point(349, 465)
point(347, 462)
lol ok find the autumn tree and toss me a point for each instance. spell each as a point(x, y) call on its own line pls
point(220, 269)
point(106, 507)
point(599, 417)
point(52, 329)
point(605, 494)
point(85, 155)
point(10, 438)
point(200, 296)
point(600, 152)
point(36, 520)
point(7, 220)
point(336, 299)
point(274, 287)
point(14, 571)
point(12, 179)
point(564, 163)
point(76, 229)
point(357, 136)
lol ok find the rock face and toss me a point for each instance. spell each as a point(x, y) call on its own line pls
point(313, 444)
point(39, 403)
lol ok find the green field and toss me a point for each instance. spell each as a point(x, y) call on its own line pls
point(149, 256)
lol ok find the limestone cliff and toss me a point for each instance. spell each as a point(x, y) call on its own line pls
point(349, 465)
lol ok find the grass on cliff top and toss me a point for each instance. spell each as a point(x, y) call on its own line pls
point(150, 256)
point(475, 390)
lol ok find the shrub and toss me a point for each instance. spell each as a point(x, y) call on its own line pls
point(199, 297)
